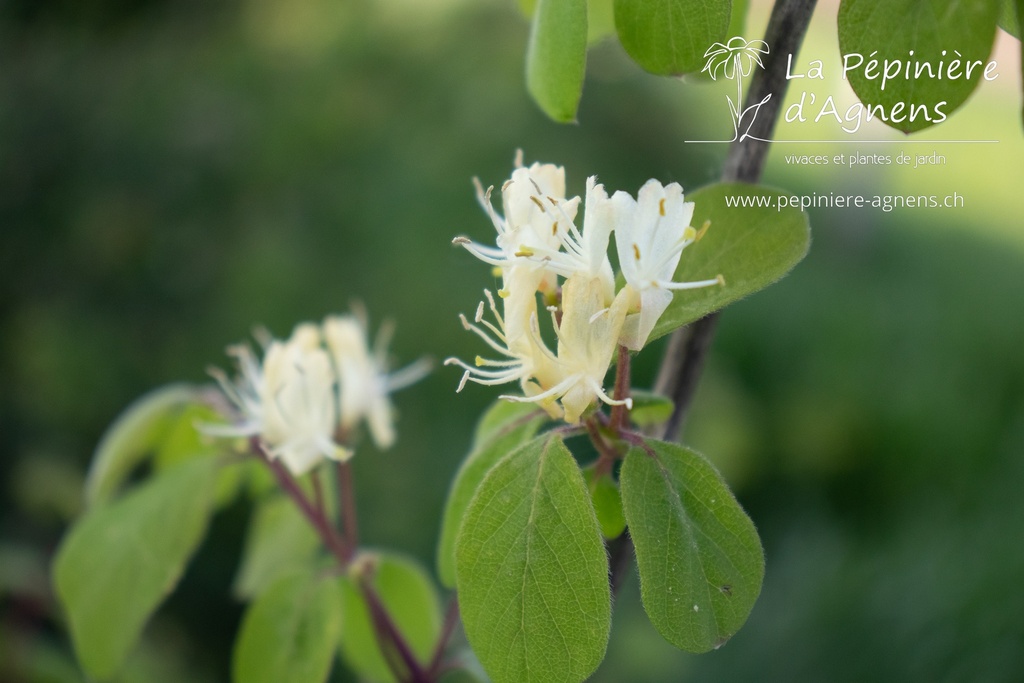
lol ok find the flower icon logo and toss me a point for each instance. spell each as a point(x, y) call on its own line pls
point(736, 56)
point(735, 60)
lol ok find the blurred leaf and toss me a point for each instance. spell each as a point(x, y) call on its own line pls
point(183, 440)
point(670, 37)
point(280, 541)
point(122, 559)
point(1008, 19)
point(556, 57)
point(751, 247)
point(604, 494)
point(600, 20)
point(503, 428)
point(409, 596)
point(939, 28)
point(737, 19)
point(290, 633)
point(649, 408)
point(532, 569)
point(134, 434)
point(699, 555)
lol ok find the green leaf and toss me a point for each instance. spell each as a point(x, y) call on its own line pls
point(280, 541)
point(290, 633)
point(120, 561)
point(532, 570)
point(502, 429)
point(133, 436)
point(934, 30)
point(737, 19)
point(500, 417)
point(556, 57)
point(600, 17)
point(1008, 19)
point(751, 247)
point(600, 20)
point(410, 599)
point(670, 37)
point(649, 408)
point(737, 26)
point(700, 559)
point(604, 494)
point(182, 440)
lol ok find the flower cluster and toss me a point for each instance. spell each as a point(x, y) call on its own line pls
point(541, 251)
point(310, 392)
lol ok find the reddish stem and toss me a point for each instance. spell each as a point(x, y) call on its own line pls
point(335, 543)
point(451, 618)
point(348, 501)
point(622, 371)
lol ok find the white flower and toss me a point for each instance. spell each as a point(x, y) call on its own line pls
point(537, 215)
point(288, 401)
point(587, 338)
point(528, 361)
point(363, 378)
point(583, 253)
point(650, 236)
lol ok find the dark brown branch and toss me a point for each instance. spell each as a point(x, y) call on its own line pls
point(688, 348)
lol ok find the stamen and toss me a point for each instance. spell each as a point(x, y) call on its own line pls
point(628, 402)
point(661, 206)
point(636, 251)
point(691, 285)
point(703, 229)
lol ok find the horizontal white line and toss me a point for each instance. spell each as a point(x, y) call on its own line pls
point(857, 142)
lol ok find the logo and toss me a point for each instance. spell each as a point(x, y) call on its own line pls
point(735, 60)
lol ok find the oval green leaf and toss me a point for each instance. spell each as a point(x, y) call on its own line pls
point(649, 408)
point(121, 560)
point(604, 494)
point(532, 570)
point(503, 428)
point(290, 633)
point(409, 596)
point(280, 541)
point(750, 242)
point(700, 558)
point(670, 37)
point(556, 57)
point(934, 30)
point(134, 435)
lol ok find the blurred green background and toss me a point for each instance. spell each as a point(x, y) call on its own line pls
point(174, 173)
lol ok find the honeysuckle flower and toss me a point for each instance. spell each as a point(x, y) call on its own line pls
point(587, 338)
point(536, 215)
point(288, 401)
point(364, 383)
point(582, 253)
point(650, 236)
point(528, 361)
point(738, 55)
